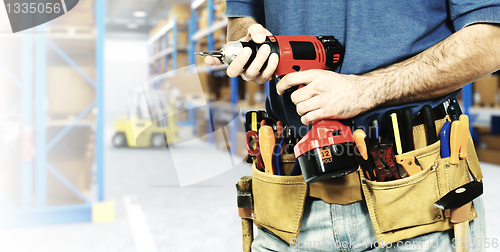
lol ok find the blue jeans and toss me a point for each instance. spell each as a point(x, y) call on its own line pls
point(331, 227)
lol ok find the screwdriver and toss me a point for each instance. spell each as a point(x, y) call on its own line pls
point(464, 120)
point(267, 142)
point(455, 142)
point(217, 54)
point(397, 137)
point(366, 162)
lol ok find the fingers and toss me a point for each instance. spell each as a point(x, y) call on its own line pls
point(308, 105)
point(294, 79)
point(254, 69)
point(257, 33)
point(313, 116)
point(302, 94)
point(236, 67)
point(268, 73)
point(213, 61)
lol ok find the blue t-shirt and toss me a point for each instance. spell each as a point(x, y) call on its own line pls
point(374, 33)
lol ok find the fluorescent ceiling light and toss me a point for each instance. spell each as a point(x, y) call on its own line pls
point(132, 26)
point(139, 14)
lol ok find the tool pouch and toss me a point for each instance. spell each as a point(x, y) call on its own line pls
point(403, 208)
point(279, 200)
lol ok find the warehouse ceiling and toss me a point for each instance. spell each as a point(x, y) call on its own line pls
point(136, 16)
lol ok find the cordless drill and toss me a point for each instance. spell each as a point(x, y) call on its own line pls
point(323, 152)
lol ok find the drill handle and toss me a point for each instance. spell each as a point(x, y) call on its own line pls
point(255, 47)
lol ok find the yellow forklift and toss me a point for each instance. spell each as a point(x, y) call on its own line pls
point(152, 121)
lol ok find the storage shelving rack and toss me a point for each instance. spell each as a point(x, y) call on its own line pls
point(34, 209)
point(195, 35)
point(160, 51)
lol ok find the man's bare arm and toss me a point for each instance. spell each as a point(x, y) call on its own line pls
point(237, 28)
point(465, 56)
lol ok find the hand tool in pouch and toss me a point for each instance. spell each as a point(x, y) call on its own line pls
point(445, 139)
point(386, 168)
point(464, 121)
point(267, 141)
point(406, 128)
point(458, 201)
point(408, 164)
point(251, 123)
point(364, 160)
point(430, 126)
point(453, 109)
point(323, 151)
point(456, 136)
point(253, 148)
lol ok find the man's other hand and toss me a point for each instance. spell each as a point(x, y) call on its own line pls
point(327, 94)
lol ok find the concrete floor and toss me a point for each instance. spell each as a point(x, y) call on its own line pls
point(153, 213)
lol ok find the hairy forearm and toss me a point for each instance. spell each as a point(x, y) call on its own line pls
point(237, 28)
point(441, 69)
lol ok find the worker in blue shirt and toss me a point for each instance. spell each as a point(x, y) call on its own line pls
point(397, 54)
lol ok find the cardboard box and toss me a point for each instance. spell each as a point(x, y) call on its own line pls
point(191, 84)
point(181, 11)
point(72, 157)
point(225, 94)
point(75, 18)
point(200, 61)
point(77, 171)
point(219, 9)
point(491, 142)
point(251, 89)
point(182, 39)
point(83, 5)
point(206, 81)
point(67, 91)
point(182, 60)
point(486, 91)
point(489, 156)
point(220, 38)
point(203, 19)
point(75, 143)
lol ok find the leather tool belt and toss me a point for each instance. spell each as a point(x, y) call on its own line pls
point(399, 209)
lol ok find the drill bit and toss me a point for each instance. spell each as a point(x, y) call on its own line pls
point(211, 53)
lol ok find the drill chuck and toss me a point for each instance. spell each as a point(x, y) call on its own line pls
point(230, 50)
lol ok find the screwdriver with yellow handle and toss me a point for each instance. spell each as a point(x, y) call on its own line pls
point(459, 138)
point(464, 121)
point(266, 142)
point(455, 141)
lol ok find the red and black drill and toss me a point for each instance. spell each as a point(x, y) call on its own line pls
point(326, 150)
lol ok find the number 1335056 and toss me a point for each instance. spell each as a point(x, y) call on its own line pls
point(33, 8)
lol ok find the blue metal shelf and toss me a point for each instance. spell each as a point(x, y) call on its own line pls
point(166, 51)
point(194, 36)
point(34, 209)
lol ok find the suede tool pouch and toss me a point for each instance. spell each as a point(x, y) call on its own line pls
point(403, 208)
point(279, 200)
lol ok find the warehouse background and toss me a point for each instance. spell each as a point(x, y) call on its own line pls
point(66, 93)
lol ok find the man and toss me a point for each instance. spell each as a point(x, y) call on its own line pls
point(397, 54)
